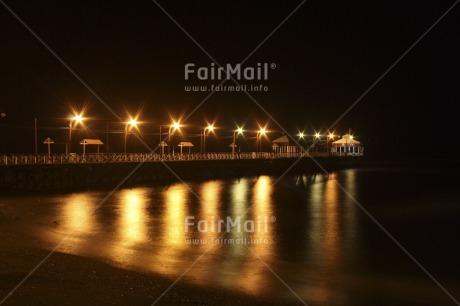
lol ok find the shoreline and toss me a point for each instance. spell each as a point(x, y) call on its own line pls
point(65, 279)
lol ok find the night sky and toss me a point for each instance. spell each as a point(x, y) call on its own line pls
point(327, 54)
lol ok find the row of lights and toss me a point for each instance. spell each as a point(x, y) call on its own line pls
point(132, 123)
point(317, 135)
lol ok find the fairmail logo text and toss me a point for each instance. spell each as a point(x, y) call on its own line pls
point(227, 72)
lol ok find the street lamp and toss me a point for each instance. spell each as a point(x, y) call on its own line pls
point(131, 123)
point(2, 114)
point(316, 136)
point(74, 121)
point(301, 135)
point(259, 135)
point(209, 128)
point(174, 126)
point(329, 137)
point(238, 131)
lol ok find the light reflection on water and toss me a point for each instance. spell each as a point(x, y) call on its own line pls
point(166, 255)
point(77, 214)
point(133, 217)
point(146, 230)
point(77, 220)
point(316, 244)
point(130, 226)
point(174, 216)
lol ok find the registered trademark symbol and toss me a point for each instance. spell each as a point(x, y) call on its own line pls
point(273, 219)
point(272, 65)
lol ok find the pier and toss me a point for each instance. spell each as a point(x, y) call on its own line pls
point(74, 158)
point(60, 172)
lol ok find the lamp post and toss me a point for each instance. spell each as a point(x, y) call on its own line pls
point(2, 115)
point(209, 128)
point(174, 126)
point(301, 135)
point(238, 131)
point(317, 137)
point(162, 144)
point(259, 135)
point(131, 123)
point(329, 137)
point(76, 119)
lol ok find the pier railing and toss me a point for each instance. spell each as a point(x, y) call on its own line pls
point(75, 158)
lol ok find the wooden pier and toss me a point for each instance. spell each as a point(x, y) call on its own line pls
point(29, 173)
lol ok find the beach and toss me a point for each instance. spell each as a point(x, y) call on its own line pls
point(65, 279)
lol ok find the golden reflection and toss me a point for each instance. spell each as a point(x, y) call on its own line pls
point(262, 213)
point(350, 181)
point(239, 196)
point(132, 223)
point(324, 236)
point(325, 227)
point(301, 180)
point(262, 191)
point(170, 256)
point(133, 214)
point(210, 201)
point(174, 216)
point(239, 202)
point(331, 223)
point(236, 255)
point(349, 205)
point(206, 229)
point(78, 220)
point(77, 213)
point(316, 202)
point(223, 260)
point(209, 212)
point(263, 238)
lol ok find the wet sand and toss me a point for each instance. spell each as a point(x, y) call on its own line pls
point(65, 279)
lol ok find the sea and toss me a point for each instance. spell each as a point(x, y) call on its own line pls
point(373, 235)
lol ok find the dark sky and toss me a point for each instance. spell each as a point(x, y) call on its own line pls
point(327, 54)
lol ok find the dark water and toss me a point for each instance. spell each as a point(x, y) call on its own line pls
point(301, 238)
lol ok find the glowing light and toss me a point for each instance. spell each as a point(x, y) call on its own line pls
point(331, 136)
point(317, 135)
point(175, 125)
point(78, 118)
point(262, 131)
point(351, 136)
point(210, 128)
point(301, 135)
point(132, 122)
point(238, 131)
